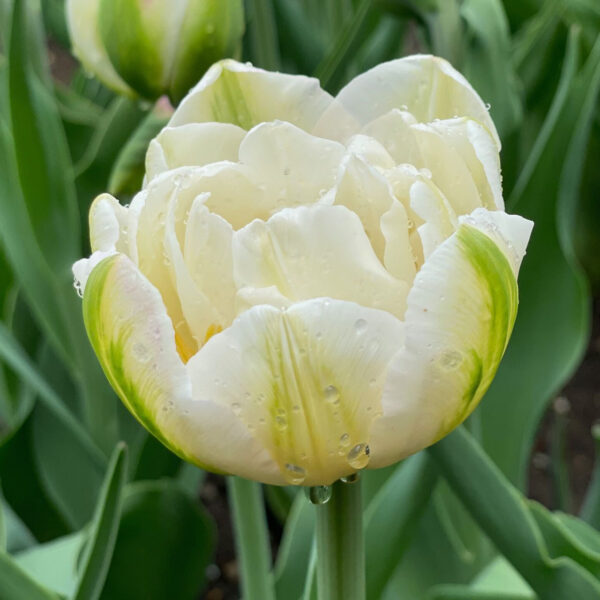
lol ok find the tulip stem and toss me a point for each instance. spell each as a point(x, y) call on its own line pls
point(251, 538)
point(340, 544)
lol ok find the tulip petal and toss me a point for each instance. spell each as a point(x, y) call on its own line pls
point(108, 224)
point(237, 93)
point(426, 86)
point(460, 314)
point(306, 380)
point(293, 167)
point(194, 144)
point(463, 161)
point(315, 251)
point(134, 340)
point(82, 17)
point(366, 193)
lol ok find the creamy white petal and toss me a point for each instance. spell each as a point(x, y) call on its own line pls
point(439, 219)
point(293, 166)
point(468, 140)
point(371, 151)
point(426, 86)
point(209, 261)
point(398, 255)
point(232, 92)
point(134, 340)
point(366, 193)
point(460, 314)
point(393, 130)
point(306, 381)
point(193, 144)
point(315, 251)
point(200, 316)
point(108, 224)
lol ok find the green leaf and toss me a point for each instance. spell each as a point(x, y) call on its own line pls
point(43, 162)
point(262, 31)
point(54, 564)
point(164, 545)
point(295, 549)
point(590, 511)
point(540, 359)
point(15, 584)
point(14, 356)
point(129, 168)
point(330, 70)
point(487, 61)
point(501, 512)
point(393, 516)
point(99, 550)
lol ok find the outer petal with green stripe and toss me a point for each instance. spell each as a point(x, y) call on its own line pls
point(308, 286)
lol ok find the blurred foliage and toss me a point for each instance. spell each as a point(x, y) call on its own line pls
point(76, 523)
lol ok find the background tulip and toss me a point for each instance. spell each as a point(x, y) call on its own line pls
point(307, 286)
point(150, 48)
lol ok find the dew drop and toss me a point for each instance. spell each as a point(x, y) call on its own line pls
point(236, 408)
point(294, 474)
point(331, 395)
point(140, 352)
point(319, 494)
point(360, 325)
point(78, 287)
point(281, 422)
point(450, 360)
point(352, 478)
point(344, 440)
point(358, 457)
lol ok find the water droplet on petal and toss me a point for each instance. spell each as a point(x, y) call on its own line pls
point(281, 422)
point(358, 457)
point(344, 440)
point(236, 408)
point(331, 394)
point(294, 474)
point(450, 360)
point(352, 478)
point(140, 352)
point(319, 494)
point(360, 325)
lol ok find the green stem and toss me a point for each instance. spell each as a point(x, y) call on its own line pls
point(252, 542)
point(340, 545)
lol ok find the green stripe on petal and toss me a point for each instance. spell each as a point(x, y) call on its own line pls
point(240, 94)
point(460, 315)
point(134, 340)
point(124, 358)
point(306, 380)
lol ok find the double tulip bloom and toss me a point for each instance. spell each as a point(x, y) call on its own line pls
point(306, 285)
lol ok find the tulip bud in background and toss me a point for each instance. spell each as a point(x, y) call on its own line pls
point(153, 47)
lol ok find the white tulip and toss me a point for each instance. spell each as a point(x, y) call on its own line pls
point(308, 286)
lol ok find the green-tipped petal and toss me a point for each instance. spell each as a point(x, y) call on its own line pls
point(306, 380)
point(459, 318)
point(82, 18)
point(243, 95)
point(134, 340)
